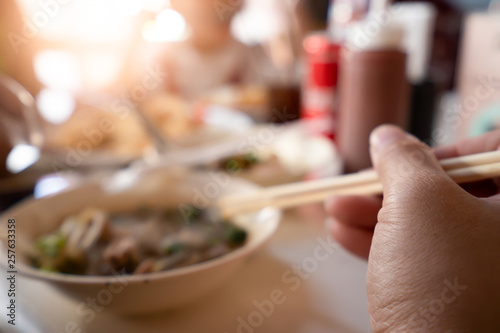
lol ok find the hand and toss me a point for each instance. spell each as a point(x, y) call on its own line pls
point(434, 248)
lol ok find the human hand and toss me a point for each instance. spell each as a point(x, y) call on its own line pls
point(434, 254)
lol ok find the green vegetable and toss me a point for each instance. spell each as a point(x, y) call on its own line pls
point(239, 162)
point(231, 165)
point(174, 248)
point(192, 213)
point(235, 235)
point(252, 158)
point(49, 268)
point(51, 245)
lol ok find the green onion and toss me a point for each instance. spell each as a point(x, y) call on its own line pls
point(51, 245)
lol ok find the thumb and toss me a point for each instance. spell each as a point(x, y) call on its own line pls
point(404, 163)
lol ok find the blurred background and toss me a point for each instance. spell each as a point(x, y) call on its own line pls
point(95, 86)
point(272, 91)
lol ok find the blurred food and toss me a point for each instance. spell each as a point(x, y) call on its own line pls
point(120, 132)
point(160, 191)
point(262, 166)
point(172, 115)
point(238, 162)
point(147, 240)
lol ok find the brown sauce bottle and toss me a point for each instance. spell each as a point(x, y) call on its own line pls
point(374, 90)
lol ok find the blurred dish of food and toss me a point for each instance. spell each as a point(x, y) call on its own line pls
point(114, 136)
point(261, 166)
point(94, 242)
point(291, 155)
point(160, 191)
point(264, 154)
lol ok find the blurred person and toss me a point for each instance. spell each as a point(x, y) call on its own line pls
point(433, 247)
point(210, 56)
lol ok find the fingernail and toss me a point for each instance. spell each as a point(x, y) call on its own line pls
point(384, 135)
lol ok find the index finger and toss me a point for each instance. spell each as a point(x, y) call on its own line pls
point(484, 143)
point(481, 144)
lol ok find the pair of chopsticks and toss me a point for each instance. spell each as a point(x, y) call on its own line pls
point(462, 169)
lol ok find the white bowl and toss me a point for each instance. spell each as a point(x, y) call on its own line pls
point(145, 293)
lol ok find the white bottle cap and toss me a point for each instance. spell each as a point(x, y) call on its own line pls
point(375, 34)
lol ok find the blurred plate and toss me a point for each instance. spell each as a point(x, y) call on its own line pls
point(287, 154)
point(99, 138)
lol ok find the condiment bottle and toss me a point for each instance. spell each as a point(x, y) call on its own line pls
point(319, 87)
point(373, 86)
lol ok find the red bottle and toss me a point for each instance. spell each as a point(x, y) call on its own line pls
point(319, 90)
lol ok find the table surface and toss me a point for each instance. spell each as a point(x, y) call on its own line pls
point(326, 294)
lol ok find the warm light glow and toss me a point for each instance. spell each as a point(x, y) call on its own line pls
point(55, 106)
point(101, 69)
point(269, 17)
point(169, 26)
point(21, 157)
point(131, 7)
point(156, 6)
point(97, 36)
point(82, 20)
point(100, 21)
point(58, 70)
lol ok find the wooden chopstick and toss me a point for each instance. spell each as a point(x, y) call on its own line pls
point(461, 169)
point(306, 198)
point(475, 173)
point(470, 160)
point(355, 179)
